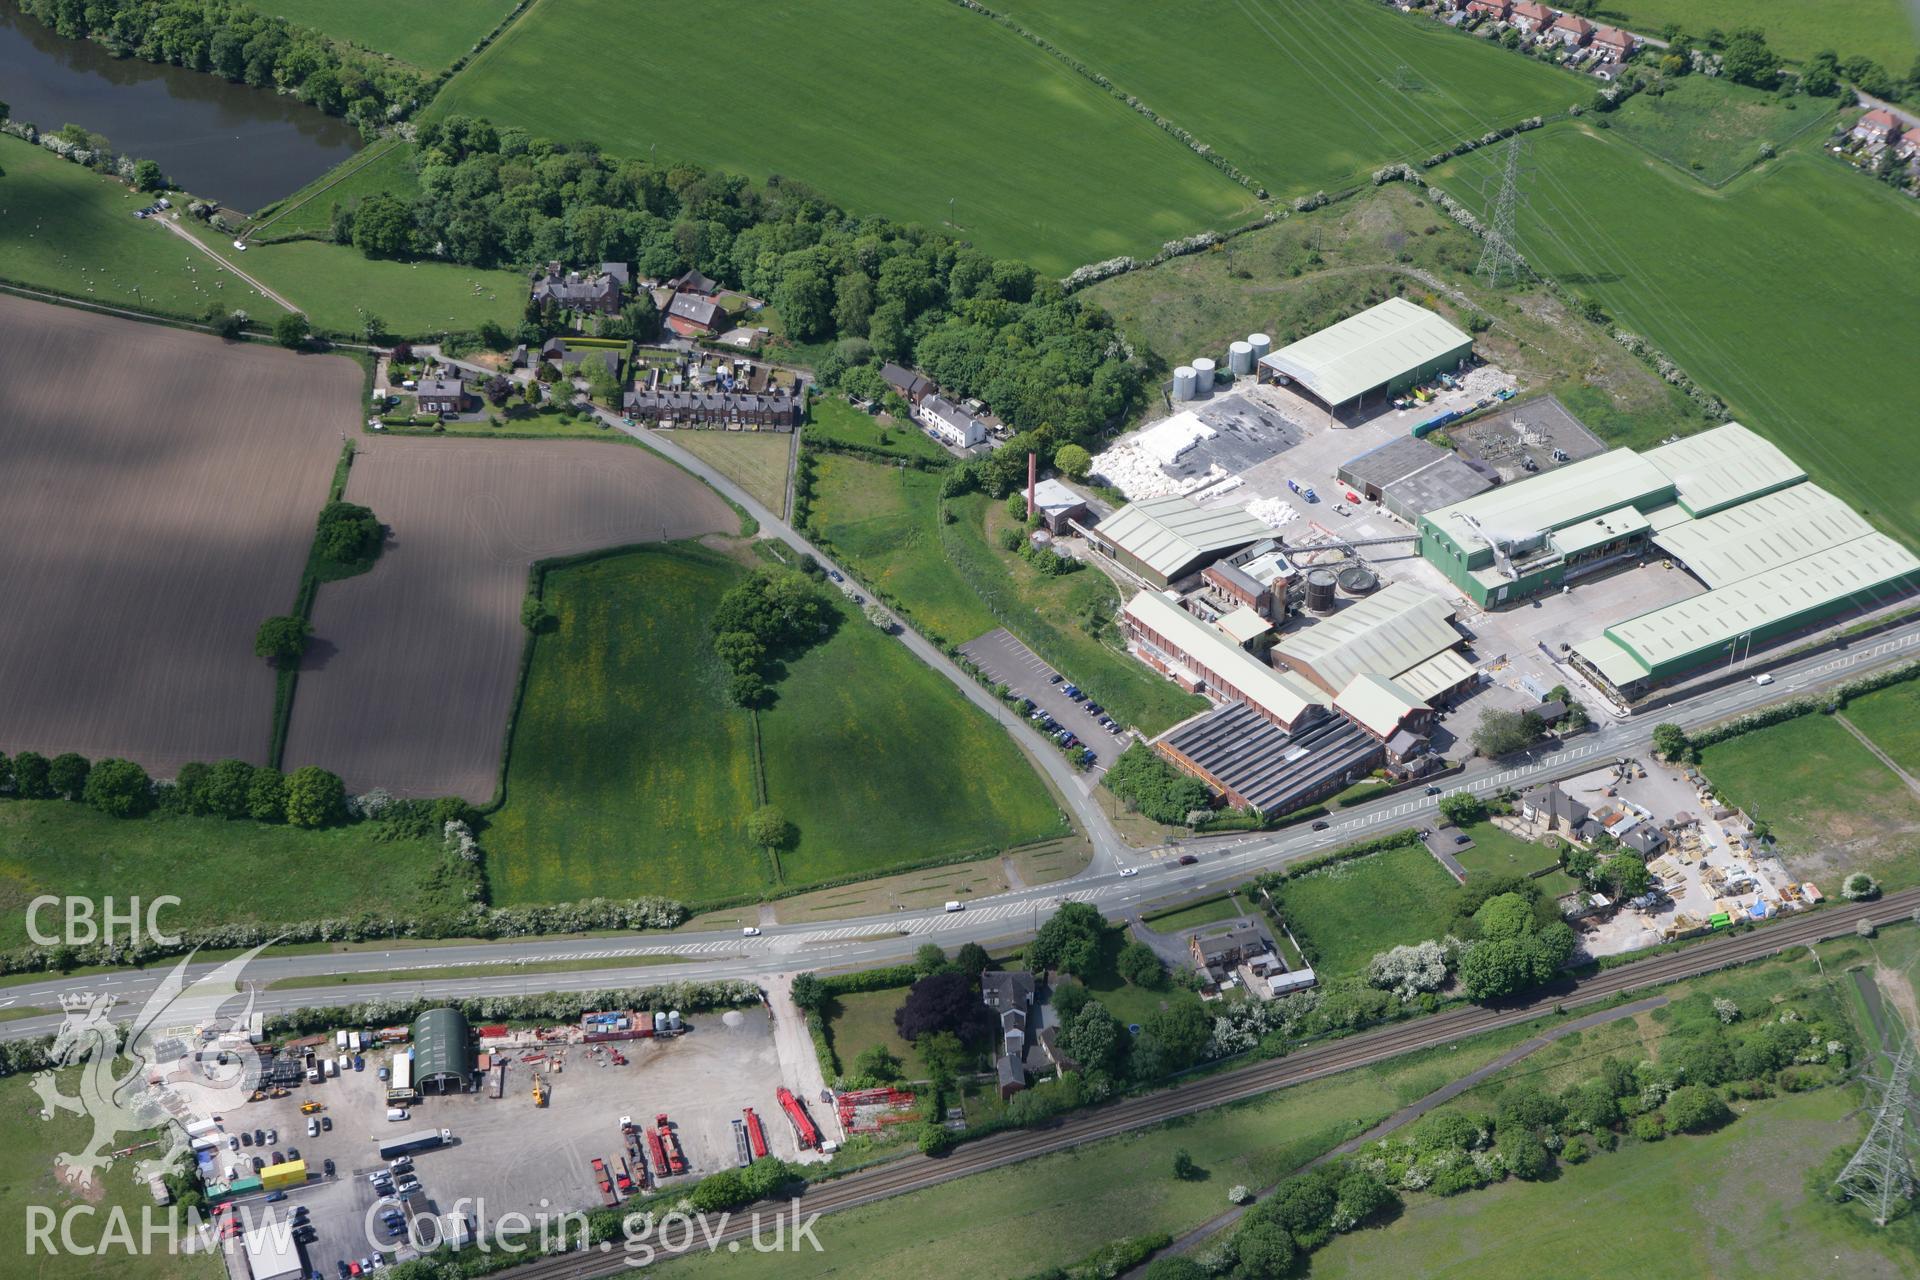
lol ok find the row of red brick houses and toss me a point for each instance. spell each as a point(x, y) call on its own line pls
point(1570, 29)
point(1881, 128)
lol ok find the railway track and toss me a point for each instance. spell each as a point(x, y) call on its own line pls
point(916, 1173)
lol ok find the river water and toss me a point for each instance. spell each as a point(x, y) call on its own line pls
point(242, 146)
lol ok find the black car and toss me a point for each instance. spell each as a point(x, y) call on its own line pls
point(246, 1139)
point(278, 1158)
point(1188, 859)
point(259, 1137)
point(1321, 826)
point(326, 1124)
point(344, 1273)
point(328, 1166)
point(258, 1164)
point(293, 1153)
point(1433, 791)
point(1055, 678)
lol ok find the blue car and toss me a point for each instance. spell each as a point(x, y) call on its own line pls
point(359, 1063)
point(276, 1197)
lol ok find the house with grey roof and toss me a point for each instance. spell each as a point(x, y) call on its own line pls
point(602, 291)
point(1008, 994)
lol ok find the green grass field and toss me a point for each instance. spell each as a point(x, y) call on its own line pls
point(72, 231)
point(754, 460)
point(221, 871)
point(1329, 88)
point(1308, 271)
point(1891, 717)
point(1713, 128)
point(833, 421)
point(883, 520)
point(1833, 807)
point(338, 288)
point(864, 1019)
point(430, 39)
point(1497, 853)
point(1730, 1203)
point(912, 772)
point(628, 773)
point(28, 1181)
point(949, 118)
point(384, 167)
point(1347, 913)
point(1749, 288)
point(1885, 30)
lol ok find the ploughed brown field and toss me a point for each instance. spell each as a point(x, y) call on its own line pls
point(157, 496)
point(410, 676)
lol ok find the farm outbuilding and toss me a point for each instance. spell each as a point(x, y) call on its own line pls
point(1382, 350)
point(443, 1059)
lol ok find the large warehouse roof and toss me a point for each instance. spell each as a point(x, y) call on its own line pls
point(1706, 623)
point(1286, 695)
point(1366, 350)
point(442, 1046)
point(1395, 629)
point(1168, 534)
point(1416, 475)
point(1718, 468)
point(1377, 703)
point(1554, 499)
point(1264, 765)
point(271, 1251)
point(1763, 534)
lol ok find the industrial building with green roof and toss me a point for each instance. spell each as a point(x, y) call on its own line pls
point(1384, 349)
point(1163, 540)
point(443, 1060)
point(1775, 553)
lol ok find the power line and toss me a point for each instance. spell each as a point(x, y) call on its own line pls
point(1500, 262)
point(1880, 1174)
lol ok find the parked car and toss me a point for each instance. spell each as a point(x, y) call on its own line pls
point(326, 1124)
point(328, 1166)
point(1055, 678)
point(293, 1153)
point(360, 1064)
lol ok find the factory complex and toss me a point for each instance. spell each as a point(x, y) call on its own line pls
point(1331, 546)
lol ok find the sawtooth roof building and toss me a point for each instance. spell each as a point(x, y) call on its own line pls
point(1776, 554)
point(1384, 349)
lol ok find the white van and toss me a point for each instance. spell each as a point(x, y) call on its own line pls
point(396, 1113)
point(956, 906)
point(1763, 678)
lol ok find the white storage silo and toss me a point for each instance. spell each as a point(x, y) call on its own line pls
point(1202, 376)
point(1240, 358)
point(1260, 343)
point(1183, 382)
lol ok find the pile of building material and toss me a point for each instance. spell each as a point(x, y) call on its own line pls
point(1273, 512)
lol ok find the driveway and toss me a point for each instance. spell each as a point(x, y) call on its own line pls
point(207, 249)
point(799, 1064)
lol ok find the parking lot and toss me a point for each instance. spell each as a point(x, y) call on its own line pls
point(506, 1155)
point(1004, 659)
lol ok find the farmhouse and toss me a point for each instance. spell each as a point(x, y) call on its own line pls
point(951, 423)
point(912, 386)
point(1613, 44)
point(1242, 948)
point(574, 291)
point(1009, 994)
point(1165, 540)
point(692, 316)
point(443, 395)
point(1382, 350)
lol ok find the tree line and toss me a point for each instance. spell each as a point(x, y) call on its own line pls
point(879, 290)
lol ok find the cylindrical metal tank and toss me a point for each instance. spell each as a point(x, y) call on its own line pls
point(1358, 580)
point(673, 1020)
point(1183, 382)
point(1320, 590)
point(659, 1023)
point(1202, 376)
point(1240, 358)
point(1260, 343)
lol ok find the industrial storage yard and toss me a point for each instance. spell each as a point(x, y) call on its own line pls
point(157, 499)
point(411, 673)
point(545, 1121)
